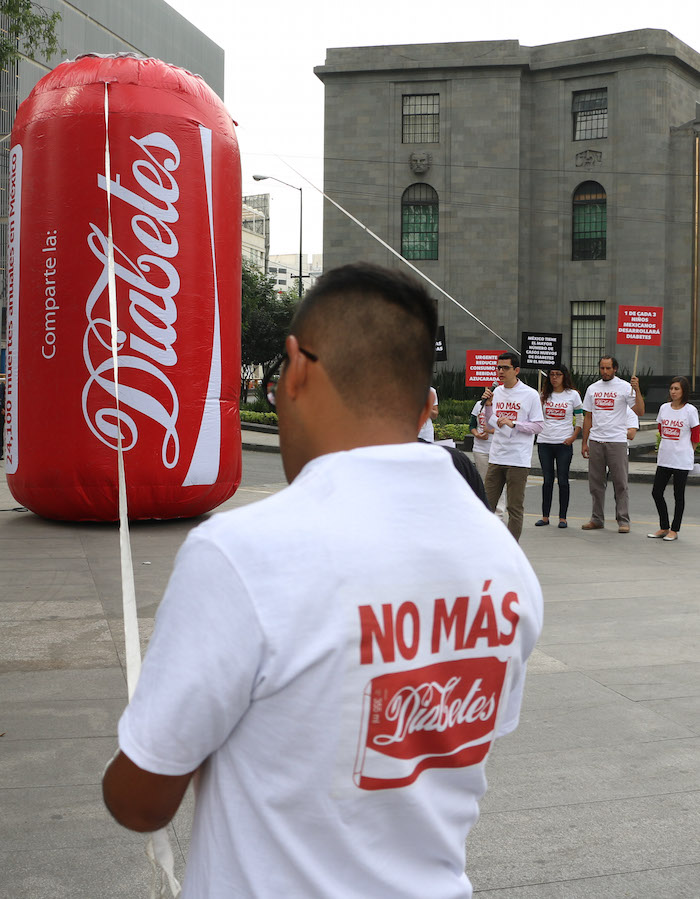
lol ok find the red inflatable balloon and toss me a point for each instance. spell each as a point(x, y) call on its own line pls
point(174, 181)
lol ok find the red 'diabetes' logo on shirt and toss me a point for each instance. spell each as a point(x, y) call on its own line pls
point(439, 716)
point(606, 402)
point(507, 413)
point(670, 433)
point(555, 412)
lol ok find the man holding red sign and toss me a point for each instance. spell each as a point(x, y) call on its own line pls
point(604, 441)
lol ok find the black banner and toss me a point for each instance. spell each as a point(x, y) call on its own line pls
point(440, 345)
point(538, 350)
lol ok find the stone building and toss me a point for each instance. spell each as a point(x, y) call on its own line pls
point(149, 27)
point(542, 187)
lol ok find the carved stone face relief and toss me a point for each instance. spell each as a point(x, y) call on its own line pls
point(588, 159)
point(420, 162)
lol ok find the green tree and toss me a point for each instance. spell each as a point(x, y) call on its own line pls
point(31, 29)
point(265, 318)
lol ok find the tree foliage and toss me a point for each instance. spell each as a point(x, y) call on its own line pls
point(31, 29)
point(265, 318)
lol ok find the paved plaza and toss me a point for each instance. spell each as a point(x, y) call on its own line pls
point(596, 795)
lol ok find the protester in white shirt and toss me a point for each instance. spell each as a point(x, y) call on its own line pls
point(563, 415)
point(427, 431)
point(483, 436)
point(337, 685)
point(680, 430)
point(515, 416)
point(604, 441)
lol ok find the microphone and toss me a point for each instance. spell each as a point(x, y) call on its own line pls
point(492, 388)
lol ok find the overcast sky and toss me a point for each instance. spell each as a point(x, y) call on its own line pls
point(272, 47)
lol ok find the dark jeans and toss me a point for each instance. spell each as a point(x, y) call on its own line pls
point(561, 454)
point(661, 479)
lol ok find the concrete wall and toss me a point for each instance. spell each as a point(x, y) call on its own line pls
point(505, 170)
point(150, 27)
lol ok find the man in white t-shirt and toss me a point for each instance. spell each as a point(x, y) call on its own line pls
point(514, 411)
point(337, 685)
point(604, 441)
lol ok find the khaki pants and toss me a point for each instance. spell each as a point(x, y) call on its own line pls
point(613, 457)
point(481, 460)
point(514, 478)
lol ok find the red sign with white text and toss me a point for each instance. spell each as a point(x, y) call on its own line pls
point(481, 367)
point(640, 325)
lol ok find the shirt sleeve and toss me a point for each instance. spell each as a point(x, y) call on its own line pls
point(529, 427)
point(587, 401)
point(534, 422)
point(201, 666)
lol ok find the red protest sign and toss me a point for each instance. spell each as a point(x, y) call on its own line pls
point(640, 325)
point(481, 367)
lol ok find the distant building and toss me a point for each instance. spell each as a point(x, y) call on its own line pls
point(150, 27)
point(541, 186)
point(254, 236)
point(285, 270)
point(258, 221)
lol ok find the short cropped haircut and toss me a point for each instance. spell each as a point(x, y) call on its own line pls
point(614, 361)
point(514, 358)
point(685, 388)
point(373, 330)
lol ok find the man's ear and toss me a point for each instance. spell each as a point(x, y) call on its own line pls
point(295, 369)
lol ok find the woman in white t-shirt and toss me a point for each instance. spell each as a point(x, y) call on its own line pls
point(561, 407)
point(680, 431)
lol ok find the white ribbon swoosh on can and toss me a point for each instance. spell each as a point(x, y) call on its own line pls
point(204, 467)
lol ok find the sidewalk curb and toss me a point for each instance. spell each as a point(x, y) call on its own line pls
point(260, 447)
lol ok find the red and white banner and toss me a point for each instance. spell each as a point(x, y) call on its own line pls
point(175, 203)
point(481, 367)
point(640, 325)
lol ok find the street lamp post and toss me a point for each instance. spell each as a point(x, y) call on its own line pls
point(301, 218)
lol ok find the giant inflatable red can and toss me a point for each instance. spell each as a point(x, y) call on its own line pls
point(173, 186)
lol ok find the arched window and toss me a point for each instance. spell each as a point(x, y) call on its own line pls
point(589, 221)
point(420, 211)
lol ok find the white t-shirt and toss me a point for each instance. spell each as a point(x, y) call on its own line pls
point(511, 446)
point(676, 449)
point(558, 410)
point(608, 401)
point(343, 664)
point(479, 412)
point(427, 431)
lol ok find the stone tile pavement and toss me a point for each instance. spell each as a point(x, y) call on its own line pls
point(597, 794)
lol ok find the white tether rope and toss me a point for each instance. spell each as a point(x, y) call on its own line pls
point(399, 256)
point(158, 849)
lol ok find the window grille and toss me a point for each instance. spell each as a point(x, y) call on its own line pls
point(590, 113)
point(420, 212)
point(589, 226)
point(420, 122)
point(587, 335)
